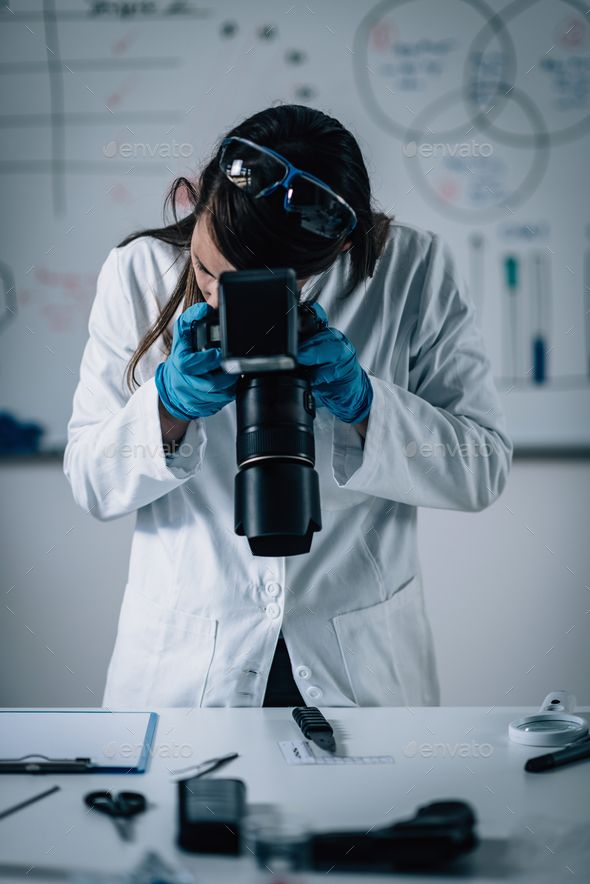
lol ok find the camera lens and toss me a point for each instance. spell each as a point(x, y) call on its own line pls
point(275, 415)
point(277, 500)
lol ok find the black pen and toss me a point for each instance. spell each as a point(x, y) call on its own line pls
point(28, 801)
point(315, 727)
point(574, 752)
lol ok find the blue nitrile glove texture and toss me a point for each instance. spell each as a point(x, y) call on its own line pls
point(338, 380)
point(193, 384)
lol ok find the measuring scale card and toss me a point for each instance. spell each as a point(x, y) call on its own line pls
point(301, 752)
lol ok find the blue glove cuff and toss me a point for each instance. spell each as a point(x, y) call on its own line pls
point(343, 400)
point(172, 409)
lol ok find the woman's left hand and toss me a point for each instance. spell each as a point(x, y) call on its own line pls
point(337, 379)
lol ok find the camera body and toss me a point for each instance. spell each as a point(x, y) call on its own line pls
point(259, 322)
point(258, 328)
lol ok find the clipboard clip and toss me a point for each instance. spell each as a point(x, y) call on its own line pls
point(46, 765)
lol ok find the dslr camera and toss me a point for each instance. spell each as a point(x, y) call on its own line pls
point(258, 327)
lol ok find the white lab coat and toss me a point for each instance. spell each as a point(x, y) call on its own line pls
point(201, 615)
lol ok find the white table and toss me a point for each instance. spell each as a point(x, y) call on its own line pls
point(439, 753)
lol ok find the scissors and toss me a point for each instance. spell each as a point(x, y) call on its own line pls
point(121, 809)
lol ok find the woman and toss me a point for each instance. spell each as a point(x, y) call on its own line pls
point(407, 416)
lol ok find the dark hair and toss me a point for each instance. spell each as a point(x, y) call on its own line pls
point(256, 233)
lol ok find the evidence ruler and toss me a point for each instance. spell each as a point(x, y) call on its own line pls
point(301, 752)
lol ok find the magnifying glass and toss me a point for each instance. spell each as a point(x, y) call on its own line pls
point(553, 725)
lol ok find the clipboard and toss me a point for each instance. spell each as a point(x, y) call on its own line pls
point(75, 740)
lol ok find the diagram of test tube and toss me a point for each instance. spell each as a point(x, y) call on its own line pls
point(477, 272)
point(540, 313)
point(512, 324)
point(7, 295)
point(587, 307)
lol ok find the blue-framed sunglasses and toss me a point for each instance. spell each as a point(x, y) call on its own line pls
point(258, 171)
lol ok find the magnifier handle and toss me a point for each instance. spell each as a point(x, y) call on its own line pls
point(559, 701)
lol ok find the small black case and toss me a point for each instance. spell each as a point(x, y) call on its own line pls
point(210, 814)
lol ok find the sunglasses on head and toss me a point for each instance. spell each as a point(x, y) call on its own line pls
point(258, 171)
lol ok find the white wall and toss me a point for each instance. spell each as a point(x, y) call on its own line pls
point(508, 589)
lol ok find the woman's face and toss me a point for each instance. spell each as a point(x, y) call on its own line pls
point(209, 263)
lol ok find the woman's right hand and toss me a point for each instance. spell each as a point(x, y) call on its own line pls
point(190, 383)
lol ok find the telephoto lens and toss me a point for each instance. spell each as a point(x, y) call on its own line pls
point(277, 497)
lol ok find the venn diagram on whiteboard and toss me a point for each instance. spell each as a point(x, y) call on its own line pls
point(476, 98)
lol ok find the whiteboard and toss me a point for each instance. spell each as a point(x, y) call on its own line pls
point(473, 117)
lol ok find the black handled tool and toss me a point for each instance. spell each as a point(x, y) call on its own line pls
point(438, 833)
point(576, 751)
point(314, 727)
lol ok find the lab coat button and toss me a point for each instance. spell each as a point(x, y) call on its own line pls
point(272, 611)
point(273, 589)
point(313, 692)
point(303, 672)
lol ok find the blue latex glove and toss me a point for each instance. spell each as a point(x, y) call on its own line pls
point(337, 379)
point(193, 384)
